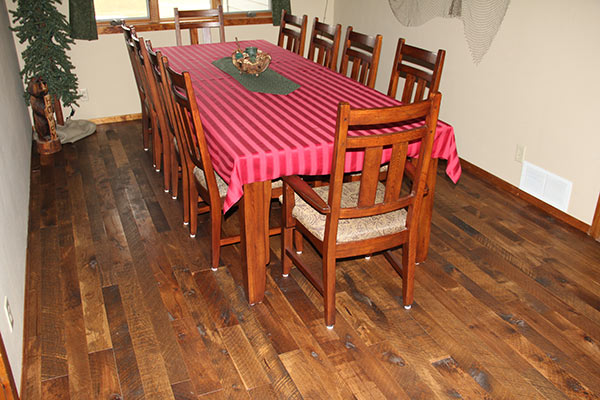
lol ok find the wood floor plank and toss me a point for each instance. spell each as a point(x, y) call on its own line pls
point(263, 393)
point(149, 355)
point(216, 302)
point(243, 357)
point(54, 354)
point(125, 358)
point(31, 377)
point(96, 323)
point(80, 380)
point(202, 373)
point(301, 370)
point(56, 388)
point(193, 303)
point(105, 377)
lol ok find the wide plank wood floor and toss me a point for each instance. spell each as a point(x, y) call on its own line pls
point(121, 303)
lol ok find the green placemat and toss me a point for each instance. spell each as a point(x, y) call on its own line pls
point(267, 82)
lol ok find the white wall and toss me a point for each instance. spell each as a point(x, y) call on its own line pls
point(537, 86)
point(15, 156)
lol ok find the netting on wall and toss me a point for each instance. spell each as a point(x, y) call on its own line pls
point(481, 18)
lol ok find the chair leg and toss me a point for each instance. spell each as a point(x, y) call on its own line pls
point(185, 183)
point(166, 152)
point(298, 242)
point(146, 131)
point(329, 288)
point(156, 145)
point(408, 273)
point(193, 209)
point(216, 217)
point(174, 173)
point(286, 243)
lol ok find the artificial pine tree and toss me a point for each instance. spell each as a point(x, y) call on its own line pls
point(46, 31)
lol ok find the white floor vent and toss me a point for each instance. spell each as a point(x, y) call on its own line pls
point(546, 186)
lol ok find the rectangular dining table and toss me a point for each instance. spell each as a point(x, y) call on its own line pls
point(254, 138)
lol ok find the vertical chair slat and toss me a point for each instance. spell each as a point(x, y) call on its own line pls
point(395, 173)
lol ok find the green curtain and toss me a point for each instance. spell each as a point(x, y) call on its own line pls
point(277, 6)
point(82, 19)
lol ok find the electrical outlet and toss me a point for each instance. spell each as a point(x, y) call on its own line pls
point(84, 94)
point(520, 153)
point(9, 316)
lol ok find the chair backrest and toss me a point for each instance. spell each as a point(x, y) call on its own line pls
point(420, 69)
point(325, 42)
point(411, 123)
point(189, 131)
point(293, 29)
point(164, 97)
point(147, 77)
point(140, 58)
point(363, 51)
point(196, 19)
point(129, 33)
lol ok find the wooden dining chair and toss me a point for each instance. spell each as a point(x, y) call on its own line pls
point(169, 139)
point(347, 219)
point(150, 91)
point(292, 32)
point(363, 52)
point(324, 44)
point(128, 32)
point(199, 19)
point(206, 189)
point(202, 179)
point(421, 70)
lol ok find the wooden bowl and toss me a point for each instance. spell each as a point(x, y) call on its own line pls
point(251, 61)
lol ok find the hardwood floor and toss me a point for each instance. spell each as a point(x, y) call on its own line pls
point(121, 303)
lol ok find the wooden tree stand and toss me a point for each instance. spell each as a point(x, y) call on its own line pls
point(43, 117)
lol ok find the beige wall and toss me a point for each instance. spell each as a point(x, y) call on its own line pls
point(103, 67)
point(15, 156)
point(537, 86)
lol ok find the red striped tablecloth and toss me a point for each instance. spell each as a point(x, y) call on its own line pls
point(254, 137)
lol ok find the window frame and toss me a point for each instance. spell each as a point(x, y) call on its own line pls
point(154, 23)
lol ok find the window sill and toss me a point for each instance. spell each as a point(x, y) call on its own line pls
point(265, 17)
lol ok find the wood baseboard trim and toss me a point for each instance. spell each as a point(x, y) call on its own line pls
point(7, 381)
point(116, 118)
point(595, 228)
point(515, 191)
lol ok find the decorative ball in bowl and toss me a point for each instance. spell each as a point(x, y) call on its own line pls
point(251, 60)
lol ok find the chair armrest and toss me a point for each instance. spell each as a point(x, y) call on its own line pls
point(307, 193)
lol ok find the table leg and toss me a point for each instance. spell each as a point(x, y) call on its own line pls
point(426, 213)
point(254, 234)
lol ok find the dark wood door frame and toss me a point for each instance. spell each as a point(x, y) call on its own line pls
point(8, 389)
point(595, 229)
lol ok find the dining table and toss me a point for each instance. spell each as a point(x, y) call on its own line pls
point(255, 137)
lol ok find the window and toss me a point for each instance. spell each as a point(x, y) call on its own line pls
point(245, 5)
point(107, 10)
point(157, 10)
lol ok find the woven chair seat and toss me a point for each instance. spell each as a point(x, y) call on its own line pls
point(350, 230)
